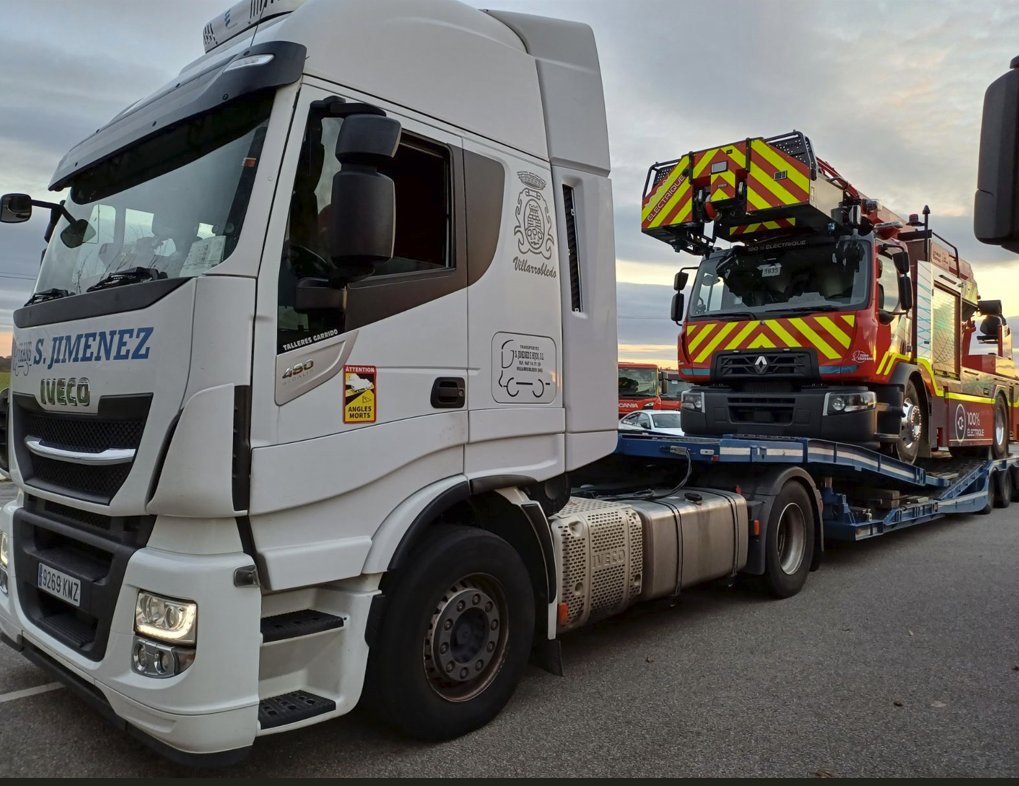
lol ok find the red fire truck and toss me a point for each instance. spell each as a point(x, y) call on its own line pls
point(640, 387)
point(672, 385)
point(826, 315)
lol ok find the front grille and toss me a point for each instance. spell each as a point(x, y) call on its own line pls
point(770, 364)
point(777, 410)
point(119, 423)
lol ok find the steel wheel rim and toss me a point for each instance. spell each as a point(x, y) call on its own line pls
point(791, 538)
point(999, 427)
point(912, 424)
point(465, 644)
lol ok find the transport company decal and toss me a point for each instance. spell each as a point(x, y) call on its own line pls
point(91, 347)
point(359, 394)
point(534, 227)
point(523, 369)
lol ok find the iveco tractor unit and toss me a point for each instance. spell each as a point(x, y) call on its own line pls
point(320, 344)
point(825, 315)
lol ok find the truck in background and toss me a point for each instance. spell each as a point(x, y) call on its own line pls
point(640, 387)
point(828, 316)
point(673, 386)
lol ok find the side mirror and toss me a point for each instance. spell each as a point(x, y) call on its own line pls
point(15, 208)
point(680, 282)
point(996, 206)
point(678, 301)
point(76, 233)
point(901, 261)
point(362, 227)
point(905, 291)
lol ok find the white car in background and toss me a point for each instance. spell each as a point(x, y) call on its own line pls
point(653, 421)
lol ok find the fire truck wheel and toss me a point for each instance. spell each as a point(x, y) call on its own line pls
point(1001, 485)
point(789, 542)
point(914, 425)
point(1000, 447)
point(455, 637)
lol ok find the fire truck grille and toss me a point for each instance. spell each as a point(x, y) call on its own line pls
point(771, 364)
point(771, 410)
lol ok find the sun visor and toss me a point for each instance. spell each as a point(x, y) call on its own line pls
point(261, 67)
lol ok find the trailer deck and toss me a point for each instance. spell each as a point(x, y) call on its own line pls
point(865, 493)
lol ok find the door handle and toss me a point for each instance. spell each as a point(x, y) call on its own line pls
point(449, 393)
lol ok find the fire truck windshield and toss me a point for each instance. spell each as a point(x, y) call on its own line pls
point(638, 382)
point(741, 281)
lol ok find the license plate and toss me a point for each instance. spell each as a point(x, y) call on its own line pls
point(58, 583)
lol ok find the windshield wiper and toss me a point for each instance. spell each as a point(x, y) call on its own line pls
point(744, 314)
point(47, 294)
point(806, 309)
point(132, 275)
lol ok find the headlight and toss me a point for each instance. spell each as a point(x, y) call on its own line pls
point(693, 401)
point(165, 619)
point(5, 546)
point(837, 403)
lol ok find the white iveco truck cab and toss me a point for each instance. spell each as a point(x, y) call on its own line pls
point(323, 337)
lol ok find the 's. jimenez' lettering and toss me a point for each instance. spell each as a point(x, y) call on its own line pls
point(98, 346)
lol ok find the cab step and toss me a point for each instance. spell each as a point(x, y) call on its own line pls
point(294, 624)
point(292, 707)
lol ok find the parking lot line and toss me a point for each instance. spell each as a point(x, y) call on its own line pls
point(24, 694)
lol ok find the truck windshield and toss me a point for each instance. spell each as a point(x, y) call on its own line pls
point(169, 207)
point(747, 282)
point(638, 382)
point(673, 387)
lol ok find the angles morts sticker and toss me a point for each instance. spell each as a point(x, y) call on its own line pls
point(359, 394)
point(534, 220)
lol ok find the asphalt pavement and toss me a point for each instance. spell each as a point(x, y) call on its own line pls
point(899, 658)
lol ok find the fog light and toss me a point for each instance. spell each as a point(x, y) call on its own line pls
point(166, 619)
point(836, 403)
point(152, 659)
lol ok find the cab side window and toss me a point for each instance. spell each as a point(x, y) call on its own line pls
point(422, 174)
point(888, 284)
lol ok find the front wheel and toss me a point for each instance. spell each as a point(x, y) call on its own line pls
point(456, 635)
point(789, 542)
point(913, 427)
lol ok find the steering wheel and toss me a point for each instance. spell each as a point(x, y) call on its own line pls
point(306, 263)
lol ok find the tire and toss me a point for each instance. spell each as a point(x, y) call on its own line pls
point(425, 621)
point(789, 542)
point(1001, 486)
point(1014, 472)
point(999, 449)
point(913, 431)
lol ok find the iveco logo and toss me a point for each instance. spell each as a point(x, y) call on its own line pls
point(761, 364)
point(69, 391)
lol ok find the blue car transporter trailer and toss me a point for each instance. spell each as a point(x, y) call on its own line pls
point(864, 493)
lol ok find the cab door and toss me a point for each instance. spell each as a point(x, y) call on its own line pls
point(356, 406)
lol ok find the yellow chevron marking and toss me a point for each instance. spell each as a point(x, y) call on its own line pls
point(768, 153)
point(835, 331)
point(756, 200)
point(711, 345)
point(701, 335)
point(746, 331)
point(690, 329)
point(775, 187)
point(681, 192)
point(849, 319)
point(819, 343)
point(665, 186)
point(761, 342)
point(703, 160)
point(783, 334)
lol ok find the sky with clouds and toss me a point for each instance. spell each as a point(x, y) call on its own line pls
point(889, 92)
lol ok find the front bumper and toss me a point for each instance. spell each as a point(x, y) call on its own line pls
point(205, 715)
point(787, 414)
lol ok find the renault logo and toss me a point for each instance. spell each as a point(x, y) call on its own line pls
point(761, 364)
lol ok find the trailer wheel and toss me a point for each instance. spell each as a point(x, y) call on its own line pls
point(913, 430)
point(1000, 447)
point(455, 637)
point(1001, 485)
point(789, 542)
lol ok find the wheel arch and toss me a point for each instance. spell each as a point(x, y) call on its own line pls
point(764, 489)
